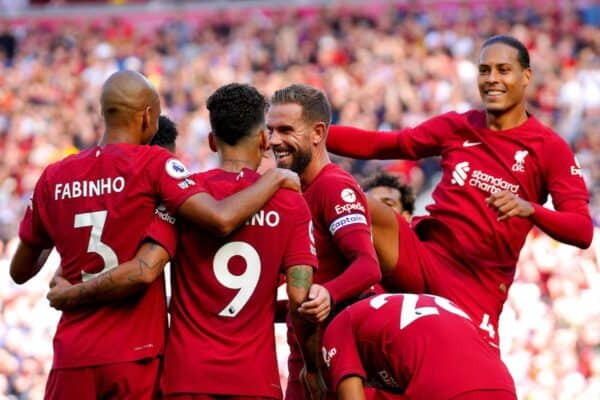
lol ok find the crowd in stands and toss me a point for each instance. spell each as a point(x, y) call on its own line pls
point(381, 68)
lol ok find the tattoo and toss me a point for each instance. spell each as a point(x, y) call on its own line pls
point(103, 284)
point(300, 278)
point(142, 265)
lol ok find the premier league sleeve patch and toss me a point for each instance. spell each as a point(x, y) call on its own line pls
point(176, 169)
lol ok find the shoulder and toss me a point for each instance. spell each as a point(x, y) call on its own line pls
point(334, 178)
point(67, 164)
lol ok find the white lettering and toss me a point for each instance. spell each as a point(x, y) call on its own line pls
point(165, 216)
point(262, 218)
point(346, 220)
point(576, 171)
point(346, 208)
point(98, 187)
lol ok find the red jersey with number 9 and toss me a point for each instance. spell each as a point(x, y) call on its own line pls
point(96, 207)
point(221, 340)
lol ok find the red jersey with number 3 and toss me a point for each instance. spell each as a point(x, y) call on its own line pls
point(96, 208)
point(418, 346)
point(221, 340)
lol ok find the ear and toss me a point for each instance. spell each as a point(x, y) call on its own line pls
point(264, 140)
point(526, 76)
point(212, 142)
point(319, 132)
point(146, 120)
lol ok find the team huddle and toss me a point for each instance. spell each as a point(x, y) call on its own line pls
point(380, 304)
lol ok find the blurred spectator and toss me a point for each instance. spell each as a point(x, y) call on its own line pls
point(382, 66)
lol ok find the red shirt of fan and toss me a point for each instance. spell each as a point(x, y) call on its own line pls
point(96, 207)
point(221, 340)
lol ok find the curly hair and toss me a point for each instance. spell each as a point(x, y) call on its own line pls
point(407, 195)
point(235, 111)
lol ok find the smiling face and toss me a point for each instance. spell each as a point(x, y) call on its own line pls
point(290, 136)
point(502, 80)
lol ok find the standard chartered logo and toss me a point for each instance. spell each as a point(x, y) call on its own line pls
point(459, 175)
point(481, 180)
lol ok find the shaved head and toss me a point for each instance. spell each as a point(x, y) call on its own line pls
point(129, 101)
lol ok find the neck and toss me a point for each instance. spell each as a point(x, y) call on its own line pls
point(114, 135)
point(235, 161)
point(506, 120)
point(319, 160)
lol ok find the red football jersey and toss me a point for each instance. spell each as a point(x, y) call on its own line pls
point(339, 208)
point(221, 340)
point(340, 217)
point(421, 346)
point(529, 160)
point(96, 208)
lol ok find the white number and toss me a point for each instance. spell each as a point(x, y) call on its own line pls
point(486, 326)
point(246, 282)
point(410, 312)
point(96, 220)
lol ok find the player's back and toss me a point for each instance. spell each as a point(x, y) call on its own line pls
point(423, 346)
point(221, 339)
point(95, 208)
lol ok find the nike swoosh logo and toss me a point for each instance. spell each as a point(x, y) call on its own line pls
point(466, 143)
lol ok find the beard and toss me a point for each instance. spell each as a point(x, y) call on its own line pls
point(300, 161)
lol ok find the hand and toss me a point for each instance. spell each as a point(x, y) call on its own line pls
point(317, 307)
point(313, 384)
point(288, 178)
point(58, 293)
point(508, 204)
point(57, 274)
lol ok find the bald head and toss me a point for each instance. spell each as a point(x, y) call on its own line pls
point(130, 103)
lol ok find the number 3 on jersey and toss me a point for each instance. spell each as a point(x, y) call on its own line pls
point(245, 283)
point(95, 245)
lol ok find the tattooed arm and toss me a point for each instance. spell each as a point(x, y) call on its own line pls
point(119, 282)
point(299, 282)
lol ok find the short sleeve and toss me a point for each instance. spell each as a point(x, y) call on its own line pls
point(163, 230)
point(32, 230)
point(340, 352)
point(300, 248)
point(171, 179)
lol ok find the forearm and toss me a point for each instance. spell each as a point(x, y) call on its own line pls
point(27, 262)
point(362, 144)
point(223, 216)
point(362, 271)
point(570, 227)
point(127, 279)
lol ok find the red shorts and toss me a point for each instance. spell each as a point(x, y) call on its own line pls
point(126, 380)
point(428, 267)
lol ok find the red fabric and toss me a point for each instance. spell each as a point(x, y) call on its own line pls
point(94, 227)
point(129, 380)
point(205, 350)
point(347, 260)
point(417, 345)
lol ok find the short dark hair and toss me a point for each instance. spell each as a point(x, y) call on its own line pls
point(166, 134)
point(235, 110)
point(523, 56)
point(314, 103)
point(407, 195)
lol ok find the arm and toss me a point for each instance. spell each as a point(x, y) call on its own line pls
point(385, 234)
point(299, 280)
point(126, 279)
point(362, 271)
point(351, 388)
point(27, 261)
point(223, 216)
point(573, 227)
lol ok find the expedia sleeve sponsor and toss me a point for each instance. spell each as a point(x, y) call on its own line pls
point(346, 220)
point(162, 213)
